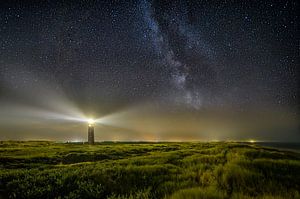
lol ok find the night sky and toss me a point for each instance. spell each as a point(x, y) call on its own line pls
point(150, 70)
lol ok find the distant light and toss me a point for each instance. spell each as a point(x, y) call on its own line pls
point(91, 121)
point(75, 141)
point(252, 141)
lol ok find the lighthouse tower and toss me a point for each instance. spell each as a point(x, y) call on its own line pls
point(91, 139)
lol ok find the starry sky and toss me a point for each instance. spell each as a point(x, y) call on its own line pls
point(152, 70)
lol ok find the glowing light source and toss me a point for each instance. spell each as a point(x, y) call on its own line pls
point(91, 121)
point(252, 141)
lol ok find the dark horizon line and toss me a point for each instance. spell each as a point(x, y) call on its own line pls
point(159, 141)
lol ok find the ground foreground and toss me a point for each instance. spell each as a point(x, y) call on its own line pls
point(147, 170)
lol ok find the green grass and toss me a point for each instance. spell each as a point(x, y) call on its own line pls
point(147, 171)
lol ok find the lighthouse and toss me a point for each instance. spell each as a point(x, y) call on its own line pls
point(91, 138)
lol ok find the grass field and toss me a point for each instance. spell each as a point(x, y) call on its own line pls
point(147, 170)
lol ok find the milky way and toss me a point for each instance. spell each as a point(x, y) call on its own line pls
point(197, 70)
point(174, 40)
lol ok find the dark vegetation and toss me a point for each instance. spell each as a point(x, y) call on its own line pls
point(147, 170)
